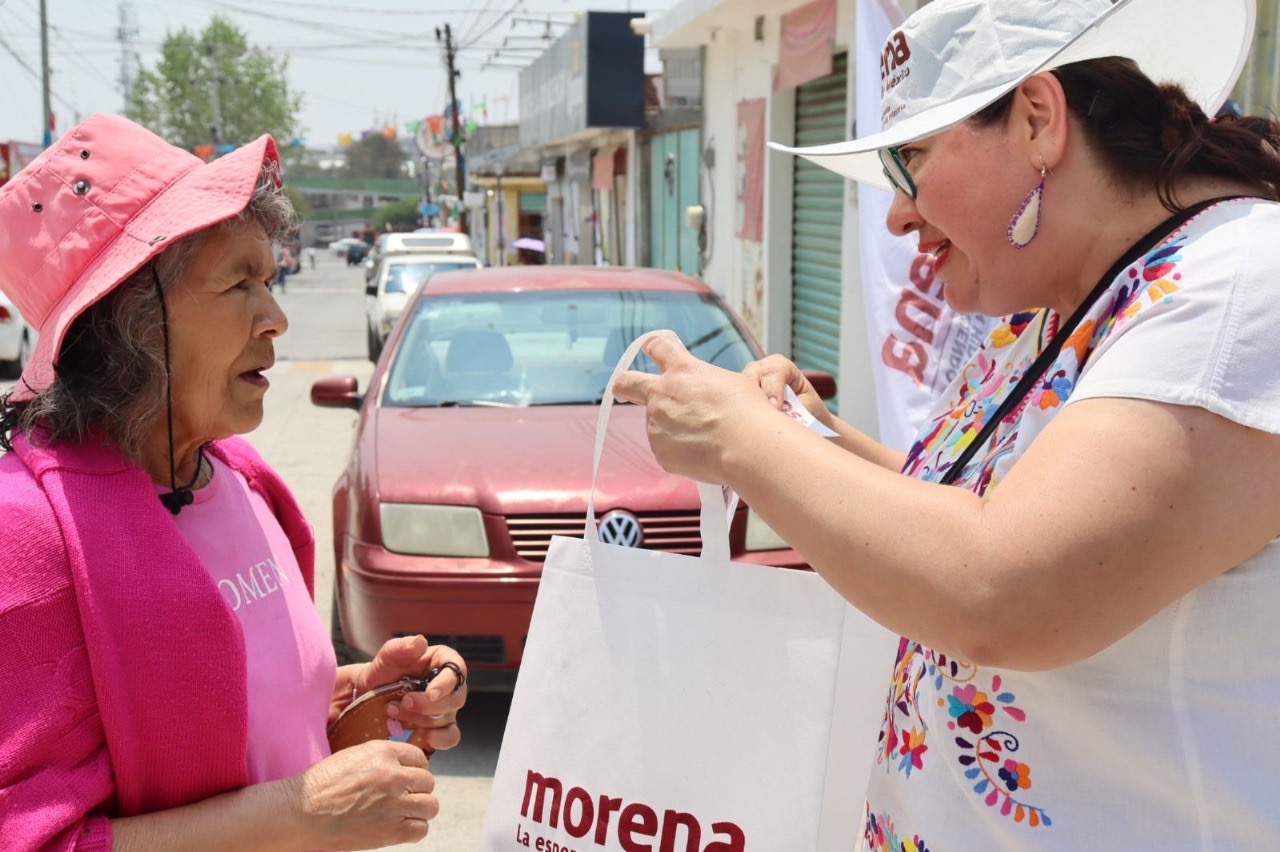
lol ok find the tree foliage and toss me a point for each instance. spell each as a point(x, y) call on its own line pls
point(399, 215)
point(375, 156)
point(215, 80)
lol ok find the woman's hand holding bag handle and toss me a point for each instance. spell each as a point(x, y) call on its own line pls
point(714, 522)
point(671, 701)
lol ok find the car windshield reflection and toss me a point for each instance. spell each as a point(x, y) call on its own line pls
point(544, 347)
point(405, 277)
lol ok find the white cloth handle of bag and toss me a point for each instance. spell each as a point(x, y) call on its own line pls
point(713, 523)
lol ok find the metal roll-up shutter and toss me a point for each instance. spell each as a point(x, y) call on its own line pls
point(818, 215)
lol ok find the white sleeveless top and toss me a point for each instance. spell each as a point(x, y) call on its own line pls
point(1170, 738)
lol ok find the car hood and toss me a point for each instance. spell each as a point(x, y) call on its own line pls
point(512, 461)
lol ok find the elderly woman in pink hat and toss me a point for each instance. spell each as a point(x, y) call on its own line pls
point(1080, 548)
point(171, 685)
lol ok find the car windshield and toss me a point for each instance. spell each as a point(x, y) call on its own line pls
point(545, 347)
point(405, 277)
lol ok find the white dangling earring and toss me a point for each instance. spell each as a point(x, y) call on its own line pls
point(1025, 224)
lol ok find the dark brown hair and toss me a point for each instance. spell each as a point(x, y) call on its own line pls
point(1150, 134)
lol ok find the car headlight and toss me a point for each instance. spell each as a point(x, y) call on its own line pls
point(433, 530)
point(760, 536)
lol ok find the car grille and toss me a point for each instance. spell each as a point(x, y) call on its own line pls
point(474, 649)
point(672, 532)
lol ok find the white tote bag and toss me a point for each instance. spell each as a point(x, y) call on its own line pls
point(673, 703)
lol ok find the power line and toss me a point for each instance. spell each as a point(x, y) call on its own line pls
point(494, 25)
point(366, 45)
point(360, 10)
point(375, 62)
point(368, 38)
point(76, 56)
point(475, 22)
point(35, 75)
point(316, 25)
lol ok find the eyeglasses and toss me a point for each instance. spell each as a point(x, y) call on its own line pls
point(896, 171)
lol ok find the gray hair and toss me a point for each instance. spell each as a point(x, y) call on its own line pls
point(110, 371)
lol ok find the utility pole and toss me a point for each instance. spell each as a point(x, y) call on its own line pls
point(125, 33)
point(44, 74)
point(457, 124)
point(215, 131)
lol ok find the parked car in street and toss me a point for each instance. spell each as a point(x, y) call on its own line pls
point(339, 247)
point(473, 448)
point(357, 252)
point(393, 281)
point(17, 339)
point(421, 241)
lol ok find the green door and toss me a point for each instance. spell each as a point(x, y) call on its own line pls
point(673, 188)
point(818, 215)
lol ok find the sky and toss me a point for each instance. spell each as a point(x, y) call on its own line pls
point(359, 64)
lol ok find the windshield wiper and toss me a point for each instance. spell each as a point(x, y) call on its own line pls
point(473, 403)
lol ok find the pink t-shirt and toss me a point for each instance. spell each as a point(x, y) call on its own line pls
point(291, 664)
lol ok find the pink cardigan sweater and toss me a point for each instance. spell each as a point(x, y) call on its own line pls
point(123, 669)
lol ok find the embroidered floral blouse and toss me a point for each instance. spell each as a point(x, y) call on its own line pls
point(1170, 738)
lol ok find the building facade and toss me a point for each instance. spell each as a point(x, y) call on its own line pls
point(581, 108)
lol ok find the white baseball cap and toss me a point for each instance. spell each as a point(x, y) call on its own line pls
point(954, 57)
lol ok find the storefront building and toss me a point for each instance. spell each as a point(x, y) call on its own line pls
point(581, 107)
point(507, 196)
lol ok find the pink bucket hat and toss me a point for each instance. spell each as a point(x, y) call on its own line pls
point(93, 208)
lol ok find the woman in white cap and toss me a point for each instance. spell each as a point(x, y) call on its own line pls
point(1090, 658)
point(170, 683)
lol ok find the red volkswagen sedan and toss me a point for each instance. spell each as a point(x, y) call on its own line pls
point(474, 448)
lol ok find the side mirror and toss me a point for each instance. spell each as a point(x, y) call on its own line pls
point(337, 392)
point(371, 289)
point(823, 382)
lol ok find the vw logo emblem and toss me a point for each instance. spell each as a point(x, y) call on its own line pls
point(621, 528)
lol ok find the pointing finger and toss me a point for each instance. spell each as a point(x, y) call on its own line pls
point(633, 386)
point(666, 350)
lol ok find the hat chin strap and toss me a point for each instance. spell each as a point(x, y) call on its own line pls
point(177, 497)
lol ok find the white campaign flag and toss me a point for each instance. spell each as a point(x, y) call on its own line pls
point(918, 344)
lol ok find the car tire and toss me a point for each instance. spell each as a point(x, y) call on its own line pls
point(345, 653)
point(13, 369)
point(375, 345)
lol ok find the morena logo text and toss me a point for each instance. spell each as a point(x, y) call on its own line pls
point(635, 825)
point(895, 55)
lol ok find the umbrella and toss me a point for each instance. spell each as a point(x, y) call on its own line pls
point(529, 243)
